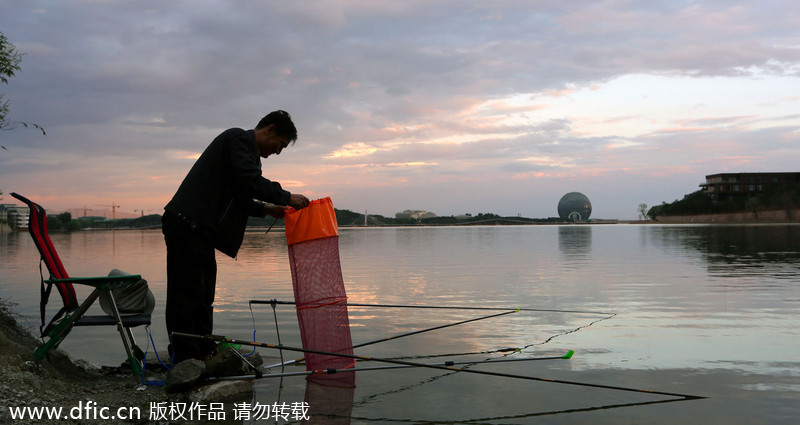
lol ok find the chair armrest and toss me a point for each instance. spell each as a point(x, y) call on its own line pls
point(105, 283)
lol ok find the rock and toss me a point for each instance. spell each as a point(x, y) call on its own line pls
point(63, 363)
point(185, 376)
point(159, 362)
point(227, 363)
point(223, 391)
point(30, 366)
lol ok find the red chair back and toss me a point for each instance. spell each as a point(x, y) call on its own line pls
point(37, 227)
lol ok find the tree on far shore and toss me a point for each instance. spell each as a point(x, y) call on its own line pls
point(642, 212)
point(785, 197)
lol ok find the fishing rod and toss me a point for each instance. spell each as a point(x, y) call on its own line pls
point(364, 344)
point(566, 356)
point(219, 338)
point(274, 301)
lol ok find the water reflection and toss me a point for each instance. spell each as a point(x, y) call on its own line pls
point(414, 396)
point(732, 239)
point(575, 242)
point(330, 399)
point(424, 396)
point(739, 251)
point(709, 310)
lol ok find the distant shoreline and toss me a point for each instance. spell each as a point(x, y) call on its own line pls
point(761, 217)
point(749, 217)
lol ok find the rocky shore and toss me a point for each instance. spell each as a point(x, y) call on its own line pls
point(60, 381)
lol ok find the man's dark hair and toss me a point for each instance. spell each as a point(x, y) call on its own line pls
point(284, 126)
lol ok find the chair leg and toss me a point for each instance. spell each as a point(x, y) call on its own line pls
point(135, 363)
point(135, 347)
point(60, 331)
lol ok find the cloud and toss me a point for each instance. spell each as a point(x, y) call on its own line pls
point(440, 101)
point(353, 149)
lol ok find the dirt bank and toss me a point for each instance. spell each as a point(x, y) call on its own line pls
point(60, 381)
point(775, 216)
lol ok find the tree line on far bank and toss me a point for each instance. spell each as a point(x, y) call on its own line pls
point(65, 222)
point(785, 197)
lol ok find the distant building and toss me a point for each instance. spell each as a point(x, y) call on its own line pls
point(727, 186)
point(4, 212)
point(415, 214)
point(574, 206)
point(14, 215)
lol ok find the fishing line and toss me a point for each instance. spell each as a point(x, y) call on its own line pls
point(364, 344)
point(419, 357)
point(273, 302)
point(505, 353)
point(445, 307)
point(372, 397)
point(566, 356)
point(447, 368)
point(568, 332)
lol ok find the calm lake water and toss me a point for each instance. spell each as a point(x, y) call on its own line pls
point(702, 310)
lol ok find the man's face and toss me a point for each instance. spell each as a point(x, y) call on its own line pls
point(270, 142)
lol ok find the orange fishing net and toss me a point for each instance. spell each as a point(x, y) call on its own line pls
point(313, 238)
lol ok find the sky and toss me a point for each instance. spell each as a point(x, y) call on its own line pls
point(447, 106)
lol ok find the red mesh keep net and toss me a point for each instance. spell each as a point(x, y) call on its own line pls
point(320, 298)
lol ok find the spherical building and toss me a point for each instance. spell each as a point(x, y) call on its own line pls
point(574, 206)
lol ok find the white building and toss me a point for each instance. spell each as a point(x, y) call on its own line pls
point(15, 216)
point(415, 214)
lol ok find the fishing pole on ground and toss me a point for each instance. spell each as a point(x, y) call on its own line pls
point(566, 356)
point(448, 368)
point(273, 302)
point(364, 344)
point(423, 356)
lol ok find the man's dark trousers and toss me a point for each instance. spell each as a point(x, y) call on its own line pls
point(191, 277)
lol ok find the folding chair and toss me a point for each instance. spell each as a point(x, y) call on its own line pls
point(73, 313)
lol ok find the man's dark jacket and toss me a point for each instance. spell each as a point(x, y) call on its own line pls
point(217, 195)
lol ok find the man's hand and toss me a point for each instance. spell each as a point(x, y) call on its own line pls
point(277, 211)
point(298, 201)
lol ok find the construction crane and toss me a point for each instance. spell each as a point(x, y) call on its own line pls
point(86, 209)
point(113, 207)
